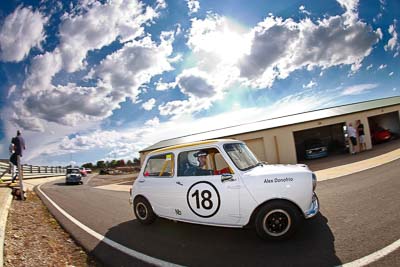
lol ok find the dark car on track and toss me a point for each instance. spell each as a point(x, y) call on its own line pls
point(314, 148)
point(73, 176)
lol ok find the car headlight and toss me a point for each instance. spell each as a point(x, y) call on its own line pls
point(314, 181)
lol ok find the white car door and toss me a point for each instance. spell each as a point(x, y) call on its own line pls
point(157, 183)
point(208, 198)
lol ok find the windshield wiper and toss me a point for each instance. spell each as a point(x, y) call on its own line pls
point(253, 166)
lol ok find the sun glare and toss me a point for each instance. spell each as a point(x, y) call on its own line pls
point(230, 43)
point(222, 39)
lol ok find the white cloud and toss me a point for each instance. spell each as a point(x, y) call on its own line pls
point(351, 14)
point(393, 43)
point(149, 104)
point(303, 10)
point(41, 146)
point(382, 66)
point(295, 45)
point(21, 31)
point(153, 122)
point(311, 84)
point(193, 6)
point(43, 68)
point(119, 75)
point(349, 5)
point(195, 83)
point(184, 108)
point(11, 90)
point(100, 25)
point(136, 63)
point(358, 89)
point(65, 105)
point(369, 66)
point(161, 4)
point(126, 142)
point(227, 54)
point(186, 125)
point(119, 144)
point(113, 144)
point(161, 86)
point(390, 74)
point(216, 43)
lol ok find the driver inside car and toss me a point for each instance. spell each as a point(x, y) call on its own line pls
point(201, 168)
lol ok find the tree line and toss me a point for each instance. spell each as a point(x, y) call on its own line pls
point(101, 164)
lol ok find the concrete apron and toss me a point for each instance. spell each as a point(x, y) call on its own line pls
point(5, 203)
point(358, 166)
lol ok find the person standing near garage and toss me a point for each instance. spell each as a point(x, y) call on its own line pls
point(361, 136)
point(19, 146)
point(353, 138)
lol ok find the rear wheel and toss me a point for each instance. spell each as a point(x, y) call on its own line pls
point(143, 211)
point(277, 220)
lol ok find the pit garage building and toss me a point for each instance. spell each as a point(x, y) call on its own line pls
point(282, 140)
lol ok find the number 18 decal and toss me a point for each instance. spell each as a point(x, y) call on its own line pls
point(203, 199)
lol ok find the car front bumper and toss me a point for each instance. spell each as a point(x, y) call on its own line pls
point(316, 155)
point(314, 208)
point(73, 180)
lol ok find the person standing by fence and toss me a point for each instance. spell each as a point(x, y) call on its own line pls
point(19, 146)
point(13, 160)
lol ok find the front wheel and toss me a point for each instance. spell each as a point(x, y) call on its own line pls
point(277, 220)
point(143, 211)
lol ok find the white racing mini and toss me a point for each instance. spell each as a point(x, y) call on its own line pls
point(221, 183)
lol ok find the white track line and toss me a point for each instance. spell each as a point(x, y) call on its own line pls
point(126, 250)
point(356, 263)
point(374, 256)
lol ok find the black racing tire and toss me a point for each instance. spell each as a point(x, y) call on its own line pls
point(277, 220)
point(143, 211)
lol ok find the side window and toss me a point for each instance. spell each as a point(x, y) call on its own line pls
point(202, 162)
point(160, 166)
point(220, 162)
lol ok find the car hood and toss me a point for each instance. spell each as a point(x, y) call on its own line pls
point(271, 169)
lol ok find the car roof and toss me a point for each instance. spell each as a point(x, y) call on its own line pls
point(198, 143)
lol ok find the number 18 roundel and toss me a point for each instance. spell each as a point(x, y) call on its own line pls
point(203, 199)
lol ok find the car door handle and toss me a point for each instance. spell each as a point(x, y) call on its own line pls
point(141, 181)
point(226, 177)
point(179, 183)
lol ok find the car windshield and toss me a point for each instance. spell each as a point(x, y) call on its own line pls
point(241, 156)
point(73, 171)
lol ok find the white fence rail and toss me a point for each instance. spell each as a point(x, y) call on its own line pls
point(32, 171)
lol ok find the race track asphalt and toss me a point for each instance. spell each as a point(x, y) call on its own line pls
point(359, 215)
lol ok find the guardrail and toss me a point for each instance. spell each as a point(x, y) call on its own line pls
point(32, 171)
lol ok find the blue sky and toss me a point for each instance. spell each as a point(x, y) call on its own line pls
point(90, 80)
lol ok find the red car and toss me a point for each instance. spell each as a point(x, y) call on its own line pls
point(83, 172)
point(379, 135)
